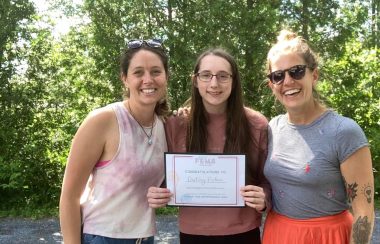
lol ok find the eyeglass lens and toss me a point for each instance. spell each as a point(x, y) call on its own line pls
point(207, 76)
point(296, 72)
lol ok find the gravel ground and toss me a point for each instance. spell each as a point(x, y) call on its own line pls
point(26, 231)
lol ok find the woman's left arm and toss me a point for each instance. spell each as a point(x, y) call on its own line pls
point(359, 181)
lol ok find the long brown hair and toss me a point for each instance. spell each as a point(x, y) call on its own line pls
point(238, 136)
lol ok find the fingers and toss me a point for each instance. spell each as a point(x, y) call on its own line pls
point(182, 111)
point(254, 197)
point(158, 197)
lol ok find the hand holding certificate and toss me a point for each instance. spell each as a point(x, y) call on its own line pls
point(205, 179)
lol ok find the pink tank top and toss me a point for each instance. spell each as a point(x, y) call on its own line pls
point(115, 203)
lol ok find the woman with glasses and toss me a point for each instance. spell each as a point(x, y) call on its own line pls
point(219, 123)
point(319, 163)
point(117, 154)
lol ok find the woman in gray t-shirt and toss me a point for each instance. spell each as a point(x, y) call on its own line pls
point(319, 163)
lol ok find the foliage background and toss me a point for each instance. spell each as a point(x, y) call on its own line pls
point(49, 83)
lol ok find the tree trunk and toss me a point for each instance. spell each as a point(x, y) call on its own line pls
point(375, 19)
point(305, 19)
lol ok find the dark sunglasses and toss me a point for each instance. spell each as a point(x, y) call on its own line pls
point(154, 43)
point(297, 72)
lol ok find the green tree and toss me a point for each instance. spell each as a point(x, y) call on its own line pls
point(375, 23)
point(351, 85)
point(48, 84)
point(14, 113)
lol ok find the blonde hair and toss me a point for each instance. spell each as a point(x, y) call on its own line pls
point(290, 42)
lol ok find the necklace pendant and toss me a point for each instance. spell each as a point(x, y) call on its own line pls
point(150, 141)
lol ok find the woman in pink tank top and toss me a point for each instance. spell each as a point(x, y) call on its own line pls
point(116, 154)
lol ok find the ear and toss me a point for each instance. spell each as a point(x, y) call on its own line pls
point(270, 84)
point(124, 79)
point(194, 80)
point(315, 76)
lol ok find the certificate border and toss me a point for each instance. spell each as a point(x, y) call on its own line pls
point(224, 155)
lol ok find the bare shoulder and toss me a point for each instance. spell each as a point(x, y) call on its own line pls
point(100, 120)
point(256, 119)
point(102, 115)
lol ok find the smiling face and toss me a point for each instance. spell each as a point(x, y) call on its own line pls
point(295, 95)
point(146, 78)
point(214, 94)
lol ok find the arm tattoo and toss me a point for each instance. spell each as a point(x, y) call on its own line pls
point(361, 230)
point(367, 191)
point(349, 193)
point(352, 190)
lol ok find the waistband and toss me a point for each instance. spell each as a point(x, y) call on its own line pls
point(331, 219)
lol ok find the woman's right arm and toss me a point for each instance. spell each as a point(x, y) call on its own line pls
point(86, 149)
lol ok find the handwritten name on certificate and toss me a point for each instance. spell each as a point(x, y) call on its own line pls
point(205, 179)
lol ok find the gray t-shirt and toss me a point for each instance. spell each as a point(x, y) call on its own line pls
point(303, 164)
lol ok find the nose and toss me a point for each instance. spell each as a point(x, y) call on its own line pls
point(287, 78)
point(213, 81)
point(147, 78)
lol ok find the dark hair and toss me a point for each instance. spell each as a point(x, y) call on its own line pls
point(238, 138)
point(162, 107)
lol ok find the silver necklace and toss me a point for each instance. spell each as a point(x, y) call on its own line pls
point(150, 141)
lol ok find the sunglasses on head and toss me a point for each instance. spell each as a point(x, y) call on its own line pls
point(296, 72)
point(154, 43)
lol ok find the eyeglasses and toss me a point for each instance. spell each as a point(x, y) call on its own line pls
point(206, 76)
point(154, 43)
point(297, 72)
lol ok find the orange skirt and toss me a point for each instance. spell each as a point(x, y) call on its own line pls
point(335, 229)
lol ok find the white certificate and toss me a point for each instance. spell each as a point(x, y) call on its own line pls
point(212, 180)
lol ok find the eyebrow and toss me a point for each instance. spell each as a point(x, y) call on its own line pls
point(219, 71)
point(142, 67)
